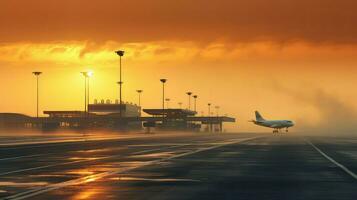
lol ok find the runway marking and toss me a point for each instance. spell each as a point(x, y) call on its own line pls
point(69, 140)
point(170, 147)
point(153, 179)
point(46, 144)
point(37, 155)
point(61, 142)
point(157, 149)
point(50, 144)
point(78, 161)
point(54, 140)
point(65, 163)
point(91, 178)
point(53, 165)
point(19, 157)
point(345, 169)
point(84, 160)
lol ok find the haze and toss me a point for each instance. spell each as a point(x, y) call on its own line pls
point(290, 59)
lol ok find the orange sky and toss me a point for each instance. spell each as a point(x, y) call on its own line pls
point(290, 59)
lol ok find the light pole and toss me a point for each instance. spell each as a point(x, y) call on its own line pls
point(120, 83)
point(37, 74)
point(219, 122)
point(209, 109)
point(86, 75)
point(209, 114)
point(217, 108)
point(85, 92)
point(189, 99)
point(120, 53)
point(89, 74)
point(180, 104)
point(195, 98)
point(163, 81)
point(139, 92)
point(167, 102)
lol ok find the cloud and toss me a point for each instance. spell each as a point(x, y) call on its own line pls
point(336, 117)
point(200, 20)
point(300, 57)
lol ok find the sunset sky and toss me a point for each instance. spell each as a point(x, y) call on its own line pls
point(289, 59)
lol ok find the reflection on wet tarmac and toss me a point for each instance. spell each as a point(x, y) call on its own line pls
point(153, 180)
point(89, 171)
point(90, 163)
point(161, 154)
point(100, 150)
point(89, 179)
point(45, 175)
point(28, 184)
point(89, 193)
point(82, 158)
point(130, 163)
point(231, 153)
point(191, 170)
point(80, 172)
point(156, 145)
point(351, 154)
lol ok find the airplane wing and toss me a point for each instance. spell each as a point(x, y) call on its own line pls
point(274, 126)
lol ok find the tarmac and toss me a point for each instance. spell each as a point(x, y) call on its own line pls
point(179, 166)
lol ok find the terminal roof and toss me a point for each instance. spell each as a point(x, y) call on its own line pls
point(170, 112)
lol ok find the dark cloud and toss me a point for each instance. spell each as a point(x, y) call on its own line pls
point(89, 47)
point(199, 20)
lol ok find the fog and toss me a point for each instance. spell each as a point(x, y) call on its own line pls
point(336, 117)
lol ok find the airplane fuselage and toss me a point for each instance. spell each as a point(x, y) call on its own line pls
point(274, 124)
point(277, 124)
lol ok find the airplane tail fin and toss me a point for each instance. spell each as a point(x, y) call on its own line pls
point(258, 117)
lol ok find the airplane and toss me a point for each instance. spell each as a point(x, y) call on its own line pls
point(277, 125)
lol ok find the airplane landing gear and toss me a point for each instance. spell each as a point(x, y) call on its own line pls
point(278, 130)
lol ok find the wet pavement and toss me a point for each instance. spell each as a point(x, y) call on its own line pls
point(181, 166)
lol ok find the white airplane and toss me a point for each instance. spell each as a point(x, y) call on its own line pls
point(277, 125)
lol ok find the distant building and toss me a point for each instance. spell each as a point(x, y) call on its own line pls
point(182, 119)
point(63, 114)
point(106, 115)
point(128, 110)
point(14, 120)
point(174, 119)
point(100, 115)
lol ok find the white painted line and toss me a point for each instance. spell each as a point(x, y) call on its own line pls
point(80, 161)
point(35, 144)
point(77, 139)
point(154, 179)
point(77, 161)
point(345, 169)
point(19, 157)
point(91, 178)
point(53, 165)
point(59, 141)
point(157, 149)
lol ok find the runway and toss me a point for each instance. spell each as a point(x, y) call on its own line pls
point(180, 166)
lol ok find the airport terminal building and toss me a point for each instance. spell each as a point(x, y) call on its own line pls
point(115, 116)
